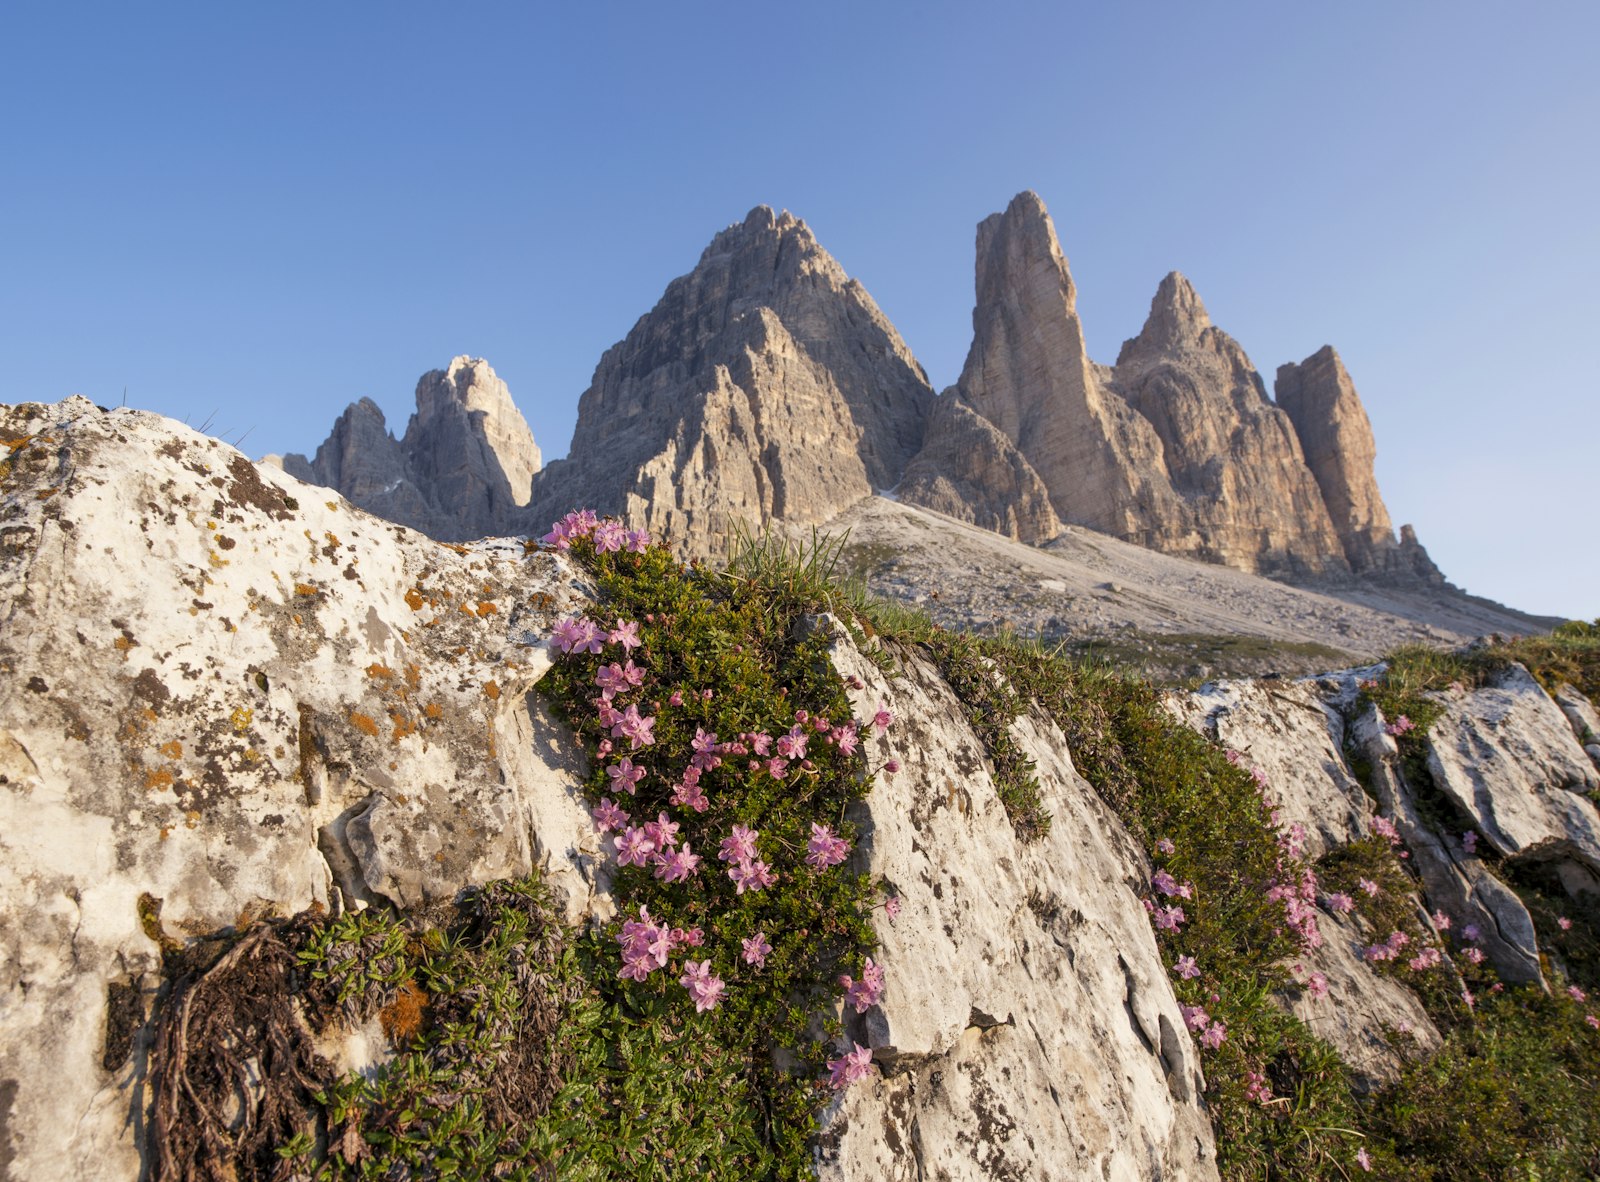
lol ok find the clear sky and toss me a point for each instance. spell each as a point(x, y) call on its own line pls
point(255, 214)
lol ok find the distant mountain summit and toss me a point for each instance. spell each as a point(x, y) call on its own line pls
point(766, 387)
point(464, 469)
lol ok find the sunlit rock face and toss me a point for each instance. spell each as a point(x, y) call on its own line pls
point(765, 385)
point(464, 469)
point(1336, 437)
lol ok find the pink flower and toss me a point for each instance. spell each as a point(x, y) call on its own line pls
point(1194, 1017)
point(1592, 1020)
point(1255, 1087)
point(891, 907)
point(575, 635)
point(634, 847)
point(1472, 955)
point(741, 846)
point(1564, 923)
point(867, 992)
point(1364, 1160)
point(883, 719)
point(1340, 903)
point(846, 738)
point(825, 848)
point(756, 949)
point(1214, 1035)
point(793, 744)
point(625, 633)
point(663, 831)
point(1471, 932)
point(1186, 968)
point(1441, 921)
point(1165, 846)
point(1384, 828)
point(1168, 919)
point(1426, 959)
point(1369, 886)
point(1259, 776)
point(676, 698)
point(891, 766)
point(1400, 726)
point(1576, 994)
point(1164, 883)
point(751, 876)
point(636, 729)
point(705, 989)
point(689, 794)
point(676, 865)
point(608, 816)
point(1317, 985)
point(625, 776)
point(1466, 996)
point(853, 1065)
point(1469, 841)
point(1235, 757)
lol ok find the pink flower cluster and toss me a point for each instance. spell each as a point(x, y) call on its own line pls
point(1196, 1019)
point(1299, 899)
point(1385, 829)
point(609, 535)
point(1401, 726)
point(1389, 949)
point(825, 847)
point(748, 872)
point(1255, 1087)
point(867, 992)
point(655, 843)
point(646, 946)
point(849, 1067)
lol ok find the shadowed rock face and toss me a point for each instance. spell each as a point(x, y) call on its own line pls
point(1336, 437)
point(462, 471)
point(970, 471)
point(764, 385)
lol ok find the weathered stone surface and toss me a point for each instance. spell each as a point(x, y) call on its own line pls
point(1506, 756)
point(1285, 729)
point(1580, 714)
point(1230, 455)
point(1336, 438)
point(1360, 1004)
point(970, 471)
point(464, 469)
point(212, 676)
point(1455, 881)
point(765, 385)
point(1028, 1029)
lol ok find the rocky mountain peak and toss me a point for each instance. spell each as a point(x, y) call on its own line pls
point(764, 385)
point(1177, 319)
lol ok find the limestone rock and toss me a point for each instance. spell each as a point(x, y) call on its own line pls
point(765, 385)
point(1360, 1003)
point(969, 470)
point(1231, 456)
point(1506, 756)
point(212, 677)
point(1284, 729)
point(1336, 437)
point(464, 469)
point(1012, 968)
point(1580, 713)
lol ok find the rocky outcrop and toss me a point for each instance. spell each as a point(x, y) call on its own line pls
point(764, 386)
point(264, 700)
point(1336, 437)
point(969, 470)
point(463, 470)
point(1231, 456)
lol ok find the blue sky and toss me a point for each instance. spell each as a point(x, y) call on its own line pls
point(257, 214)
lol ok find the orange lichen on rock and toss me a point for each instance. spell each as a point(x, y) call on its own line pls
point(363, 723)
point(172, 750)
point(404, 1017)
point(485, 608)
point(304, 589)
point(402, 725)
point(377, 671)
point(158, 779)
point(414, 599)
point(491, 690)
